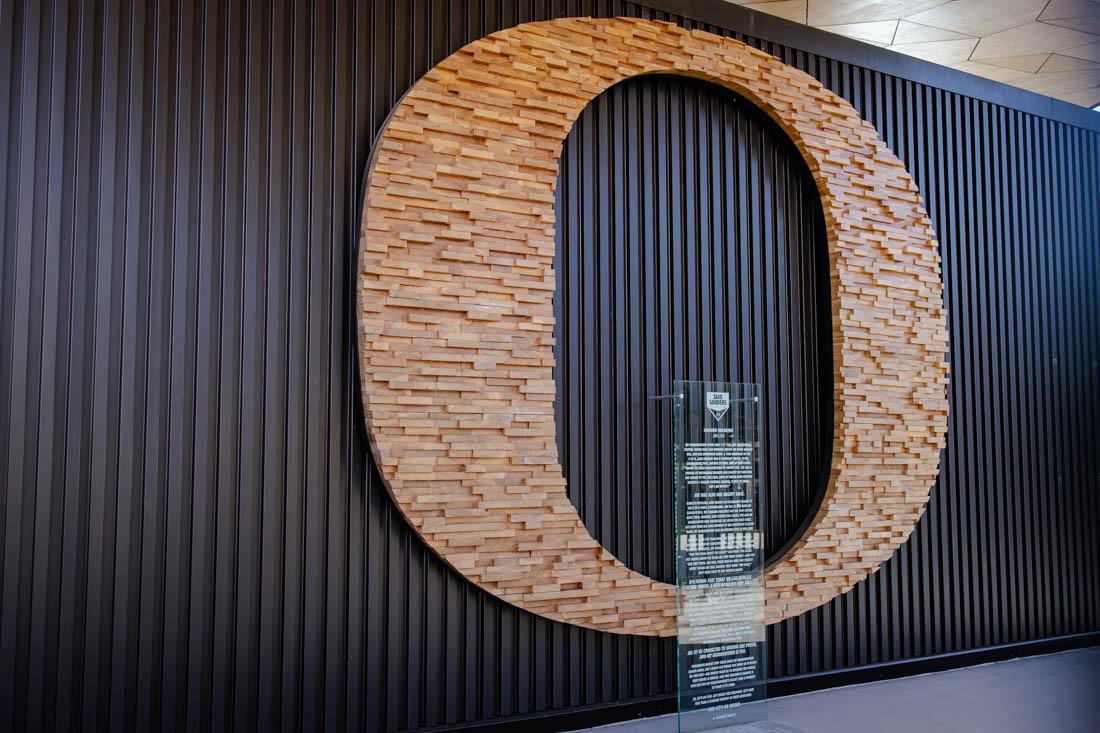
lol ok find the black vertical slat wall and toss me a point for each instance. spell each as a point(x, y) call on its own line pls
point(192, 532)
point(691, 246)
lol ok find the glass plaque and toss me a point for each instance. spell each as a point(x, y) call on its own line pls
point(719, 558)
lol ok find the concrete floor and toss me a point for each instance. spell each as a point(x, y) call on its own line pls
point(1055, 693)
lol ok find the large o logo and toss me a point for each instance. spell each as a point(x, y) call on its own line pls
point(456, 277)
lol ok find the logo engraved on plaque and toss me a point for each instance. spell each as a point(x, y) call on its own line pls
point(718, 403)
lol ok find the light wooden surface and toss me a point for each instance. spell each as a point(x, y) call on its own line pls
point(455, 288)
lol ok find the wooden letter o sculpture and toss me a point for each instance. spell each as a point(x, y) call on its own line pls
point(455, 288)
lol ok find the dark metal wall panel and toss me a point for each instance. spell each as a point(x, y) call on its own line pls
point(691, 246)
point(192, 532)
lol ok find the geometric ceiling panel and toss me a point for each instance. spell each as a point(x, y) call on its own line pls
point(980, 17)
point(861, 11)
point(944, 53)
point(1085, 25)
point(788, 9)
point(1030, 38)
point(910, 32)
point(989, 71)
point(1058, 62)
point(1057, 9)
point(1045, 46)
point(1089, 52)
point(1031, 63)
point(879, 32)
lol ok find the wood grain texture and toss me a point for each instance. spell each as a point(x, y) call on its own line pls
point(455, 288)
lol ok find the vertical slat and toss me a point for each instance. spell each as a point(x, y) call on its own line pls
point(193, 531)
point(781, 261)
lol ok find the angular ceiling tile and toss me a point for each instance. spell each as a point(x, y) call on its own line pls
point(1085, 25)
point(1085, 98)
point(1030, 63)
point(1030, 38)
point(1088, 51)
point(910, 32)
point(1058, 62)
point(1070, 9)
point(1003, 40)
point(789, 9)
point(947, 53)
point(836, 12)
point(979, 17)
point(880, 31)
point(1063, 82)
point(997, 73)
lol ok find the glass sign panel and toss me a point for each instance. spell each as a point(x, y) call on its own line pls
point(719, 557)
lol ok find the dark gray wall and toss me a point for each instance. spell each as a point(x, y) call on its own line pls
point(691, 245)
point(192, 531)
